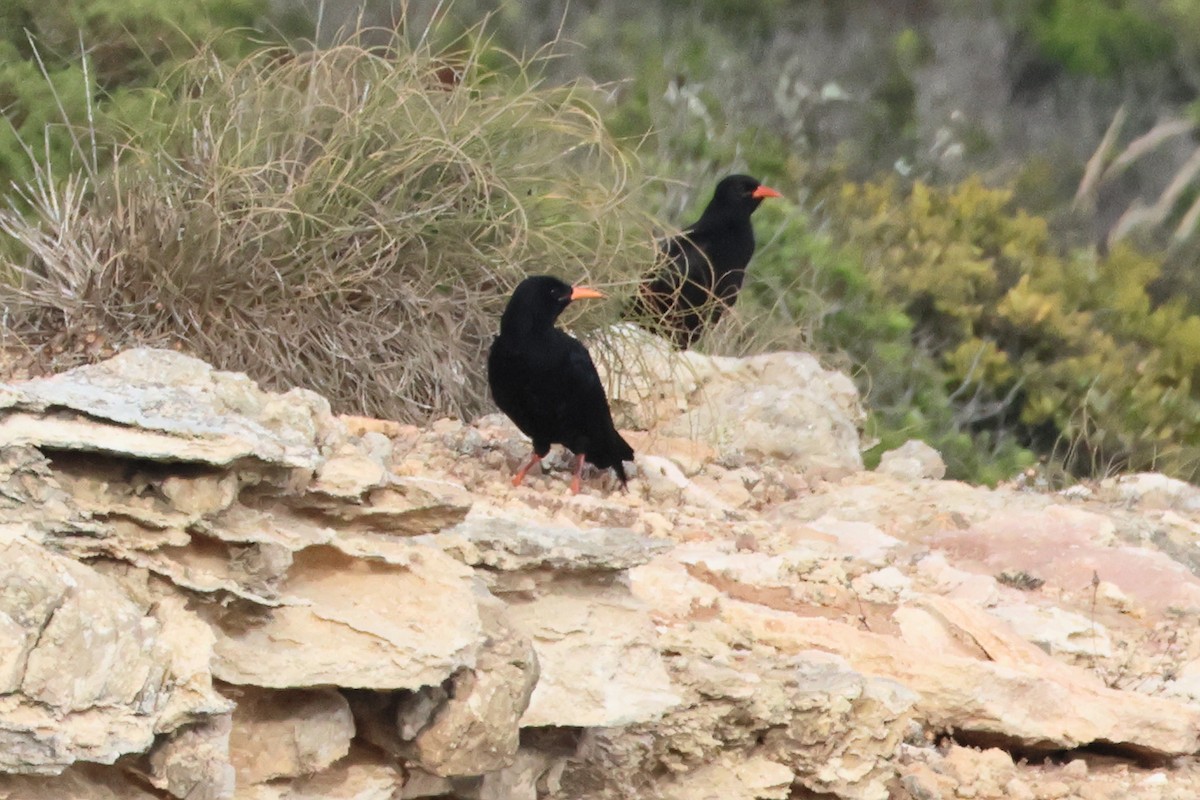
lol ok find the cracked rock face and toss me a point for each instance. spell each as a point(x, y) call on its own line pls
point(775, 406)
point(87, 673)
point(210, 592)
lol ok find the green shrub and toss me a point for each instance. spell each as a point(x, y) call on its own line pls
point(344, 220)
point(809, 287)
point(1067, 355)
point(47, 85)
point(1100, 38)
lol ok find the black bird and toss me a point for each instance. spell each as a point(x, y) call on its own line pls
point(705, 265)
point(546, 383)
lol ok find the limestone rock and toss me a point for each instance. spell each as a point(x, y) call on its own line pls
point(389, 633)
point(777, 406)
point(80, 782)
point(288, 733)
point(1056, 630)
point(914, 460)
point(1018, 693)
point(598, 659)
point(193, 762)
point(469, 726)
point(164, 406)
point(33, 501)
point(755, 778)
point(477, 729)
point(359, 776)
point(392, 506)
point(1153, 490)
point(512, 545)
point(830, 728)
point(1068, 547)
point(119, 690)
point(364, 624)
point(688, 454)
point(987, 771)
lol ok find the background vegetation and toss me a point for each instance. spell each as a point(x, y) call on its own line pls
point(991, 215)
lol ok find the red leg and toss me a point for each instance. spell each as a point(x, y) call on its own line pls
point(575, 482)
point(520, 476)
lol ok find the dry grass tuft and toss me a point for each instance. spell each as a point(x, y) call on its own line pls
point(350, 220)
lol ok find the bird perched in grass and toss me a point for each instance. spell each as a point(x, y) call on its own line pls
point(705, 265)
point(546, 383)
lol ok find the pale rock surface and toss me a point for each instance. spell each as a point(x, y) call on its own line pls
point(756, 778)
point(532, 767)
point(1016, 691)
point(913, 461)
point(1151, 489)
point(161, 405)
point(735, 625)
point(777, 406)
point(514, 545)
point(1055, 630)
point(80, 782)
point(347, 629)
point(835, 728)
point(359, 776)
point(193, 763)
point(287, 733)
point(598, 659)
point(119, 694)
point(477, 729)
point(1069, 549)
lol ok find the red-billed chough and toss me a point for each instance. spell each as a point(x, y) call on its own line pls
point(546, 383)
point(705, 265)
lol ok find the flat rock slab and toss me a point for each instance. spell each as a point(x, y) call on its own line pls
point(1017, 693)
point(1065, 547)
point(125, 683)
point(598, 656)
point(512, 545)
point(364, 624)
point(164, 406)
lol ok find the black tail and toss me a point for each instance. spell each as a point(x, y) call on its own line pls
point(616, 452)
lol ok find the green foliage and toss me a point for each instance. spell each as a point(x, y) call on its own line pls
point(1100, 38)
point(71, 66)
point(1067, 355)
point(815, 283)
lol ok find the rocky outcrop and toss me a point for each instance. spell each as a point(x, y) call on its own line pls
point(214, 592)
point(773, 407)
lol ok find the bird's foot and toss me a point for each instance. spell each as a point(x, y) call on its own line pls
point(577, 480)
point(520, 476)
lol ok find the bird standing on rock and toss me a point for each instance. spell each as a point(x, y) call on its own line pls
point(546, 383)
point(706, 264)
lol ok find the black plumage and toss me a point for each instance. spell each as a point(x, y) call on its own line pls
point(546, 383)
point(704, 266)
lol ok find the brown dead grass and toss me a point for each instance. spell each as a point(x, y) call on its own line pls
point(345, 220)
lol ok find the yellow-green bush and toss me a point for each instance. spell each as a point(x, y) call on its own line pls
point(1065, 352)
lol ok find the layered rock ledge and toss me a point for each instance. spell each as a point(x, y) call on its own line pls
point(210, 591)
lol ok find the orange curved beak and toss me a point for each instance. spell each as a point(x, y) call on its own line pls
point(585, 293)
point(764, 191)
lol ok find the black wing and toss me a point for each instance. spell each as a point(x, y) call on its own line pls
point(679, 298)
point(510, 380)
point(589, 414)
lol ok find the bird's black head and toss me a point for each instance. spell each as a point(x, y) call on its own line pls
point(740, 192)
point(538, 300)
